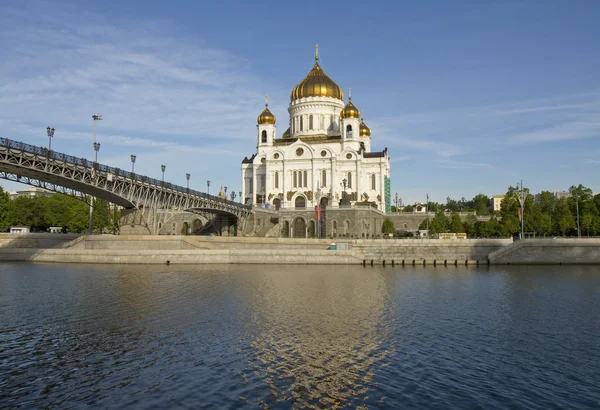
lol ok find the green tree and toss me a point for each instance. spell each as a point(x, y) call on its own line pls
point(563, 218)
point(456, 225)
point(480, 204)
point(4, 210)
point(587, 222)
point(388, 226)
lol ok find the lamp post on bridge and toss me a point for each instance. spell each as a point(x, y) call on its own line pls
point(162, 168)
point(95, 118)
point(225, 191)
point(96, 149)
point(50, 132)
point(133, 157)
point(521, 195)
point(240, 197)
point(208, 187)
point(232, 196)
point(187, 177)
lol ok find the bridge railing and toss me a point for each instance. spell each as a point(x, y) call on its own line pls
point(32, 149)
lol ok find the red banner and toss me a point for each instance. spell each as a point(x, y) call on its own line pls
point(317, 212)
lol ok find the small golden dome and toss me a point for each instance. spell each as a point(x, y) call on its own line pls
point(286, 134)
point(317, 84)
point(350, 111)
point(364, 131)
point(266, 117)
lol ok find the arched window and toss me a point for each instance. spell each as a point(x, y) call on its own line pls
point(310, 122)
point(301, 123)
point(334, 224)
point(276, 179)
point(349, 179)
point(293, 125)
point(264, 136)
point(373, 186)
point(305, 179)
point(349, 131)
point(324, 178)
point(295, 179)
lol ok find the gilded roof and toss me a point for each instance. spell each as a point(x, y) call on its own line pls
point(364, 131)
point(317, 84)
point(266, 117)
point(350, 111)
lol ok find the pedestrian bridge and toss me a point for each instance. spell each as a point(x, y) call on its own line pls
point(151, 200)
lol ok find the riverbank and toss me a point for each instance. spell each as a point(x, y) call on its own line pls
point(146, 249)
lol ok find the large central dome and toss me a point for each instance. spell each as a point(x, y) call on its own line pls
point(317, 84)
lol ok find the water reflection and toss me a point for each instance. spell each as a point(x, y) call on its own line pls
point(317, 338)
point(298, 337)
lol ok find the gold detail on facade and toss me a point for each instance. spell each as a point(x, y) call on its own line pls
point(317, 84)
point(364, 131)
point(350, 111)
point(266, 117)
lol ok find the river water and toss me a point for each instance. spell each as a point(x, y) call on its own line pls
point(109, 336)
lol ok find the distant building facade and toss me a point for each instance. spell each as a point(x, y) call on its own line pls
point(497, 202)
point(30, 192)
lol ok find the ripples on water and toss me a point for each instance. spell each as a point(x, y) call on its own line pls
point(298, 336)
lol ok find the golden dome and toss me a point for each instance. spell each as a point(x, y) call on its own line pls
point(364, 131)
point(350, 111)
point(286, 134)
point(317, 84)
point(266, 117)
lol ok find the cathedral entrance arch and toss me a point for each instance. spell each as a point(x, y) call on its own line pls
point(324, 201)
point(184, 228)
point(299, 228)
point(300, 202)
point(277, 203)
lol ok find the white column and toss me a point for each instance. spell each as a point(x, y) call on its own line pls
point(334, 184)
point(283, 185)
point(313, 179)
point(382, 186)
point(358, 177)
point(254, 184)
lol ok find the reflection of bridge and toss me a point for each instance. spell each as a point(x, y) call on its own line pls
point(141, 196)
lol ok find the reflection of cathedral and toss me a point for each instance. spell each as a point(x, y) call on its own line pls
point(324, 156)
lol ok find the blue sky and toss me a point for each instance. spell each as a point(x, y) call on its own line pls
point(468, 96)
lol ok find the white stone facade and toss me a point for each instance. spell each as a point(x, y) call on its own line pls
point(312, 159)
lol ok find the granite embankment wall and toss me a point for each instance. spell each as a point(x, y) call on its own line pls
point(549, 251)
point(248, 250)
point(429, 250)
point(36, 240)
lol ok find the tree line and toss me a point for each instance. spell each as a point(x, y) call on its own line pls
point(545, 215)
point(40, 213)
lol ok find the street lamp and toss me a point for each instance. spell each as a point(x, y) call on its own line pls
point(162, 168)
point(396, 197)
point(50, 132)
point(240, 197)
point(187, 176)
point(133, 157)
point(577, 207)
point(96, 149)
point(208, 187)
point(427, 211)
point(225, 191)
point(522, 195)
point(232, 196)
point(96, 118)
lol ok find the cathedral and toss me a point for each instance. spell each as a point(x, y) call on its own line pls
point(324, 157)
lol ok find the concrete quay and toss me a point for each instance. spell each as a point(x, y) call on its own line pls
point(148, 249)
